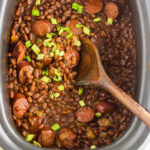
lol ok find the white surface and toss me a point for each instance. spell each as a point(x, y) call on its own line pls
point(146, 144)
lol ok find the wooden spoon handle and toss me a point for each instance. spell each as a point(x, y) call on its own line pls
point(131, 104)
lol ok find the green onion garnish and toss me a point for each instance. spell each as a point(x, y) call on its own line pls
point(98, 114)
point(110, 21)
point(55, 127)
point(93, 147)
point(40, 56)
point(52, 54)
point(79, 25)
point(57, 51)
point(35, 143)
point(61, 53)
point(35, 12)
point(77, 7)
point(38, 2)
point(30, 137)
point(53, 21)
point(86, 30)
point(62, 29)
point(80, 8)
point(77, 43)
point(50, 35)
point(28, 58)
point(82, 103)
point(54, 95)
point(28, 44)
point(45, 79)
point(97, 19)
point(80, 91)
point(69, 35)
point(57, 76)
point(46, 72)
point(61, 87)
point(47, 43)
point(36, 49)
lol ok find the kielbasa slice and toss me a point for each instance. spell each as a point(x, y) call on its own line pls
point(20, 105)
point(72, 25)
point(85, 114)
point(67, 138)
point(40, 28)
point(19, 51)
point(105, 107)
point(25, 70)
point(93, 6)
point(72, 58)
point(46, 137)
point(111, 10)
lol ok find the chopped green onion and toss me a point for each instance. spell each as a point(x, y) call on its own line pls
point(57, 78)
point(69, 35)
point(98, 114)
point(46, 72)
point(77, 43)
point(61, 87)
point(47, 43)
point(61, 31)
point(57, 51)
point(57, 72)
point(77, 7)
point(40, 56)
point(30, 137)
point(38, 2)
point(53, 21)
point(52, 54)
point(36, 49)
point(39, 41)
point(28, 58)
point(79, 25)
point(93, 147)
point(97, 19)
point(80, 91)
point(86, 30)
point(82, 103)
point(61, 53)
point(45, 79)
point(80, 8)
point(50, 35)
point(54, 95)
point(35, 143)
point(110, 21)
point(35, 12)
point(55, 127)
point(28, 44)
point(43, 72)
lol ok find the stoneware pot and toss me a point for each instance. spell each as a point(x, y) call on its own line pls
point(136, 133)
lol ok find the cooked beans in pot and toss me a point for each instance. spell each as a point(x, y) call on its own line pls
point(44, 53)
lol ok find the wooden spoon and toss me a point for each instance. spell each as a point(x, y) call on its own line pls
point(91, 72)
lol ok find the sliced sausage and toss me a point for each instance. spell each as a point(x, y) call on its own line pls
point(72, 58)
point(105, 107)
point(25, 70)
point(47, 59)
point(40, 28)
point(67, 138)
point(93, 6)
point(85, 114)
point(72, 25)
point(19, 52)
point(111, 10)
point(20, 105)
point(46, 137)
point(35, 122)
